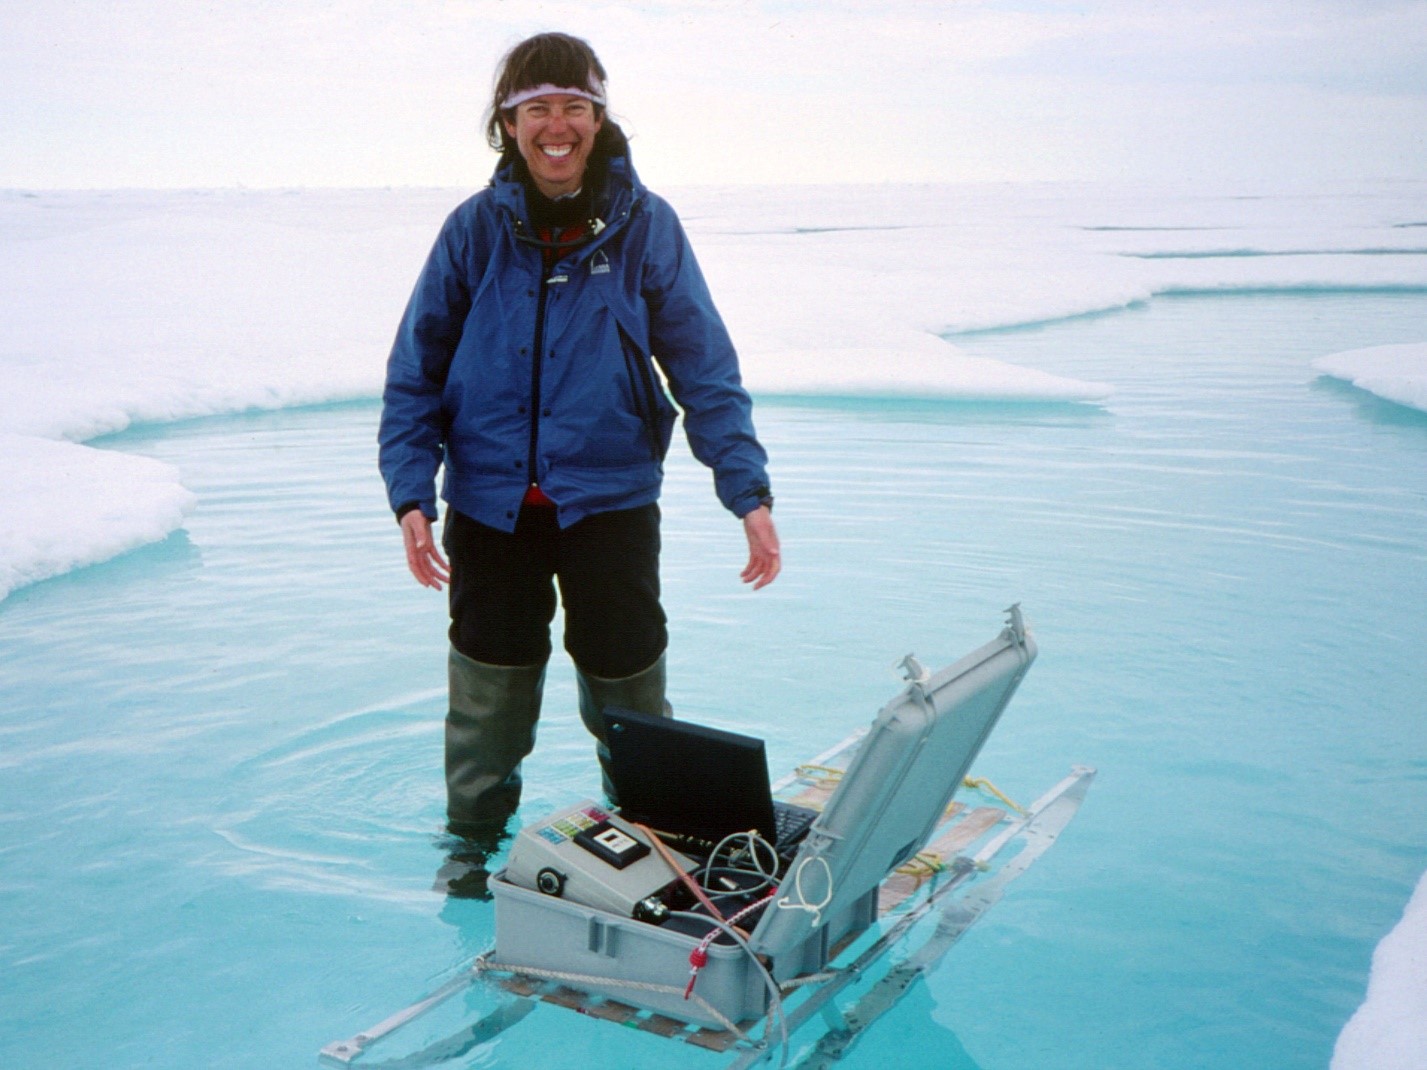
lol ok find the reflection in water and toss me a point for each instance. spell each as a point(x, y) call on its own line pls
point(1368, 405)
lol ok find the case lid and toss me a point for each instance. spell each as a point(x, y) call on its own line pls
point(896, 789)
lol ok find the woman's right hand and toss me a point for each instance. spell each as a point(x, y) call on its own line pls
point(422, 557)
point(764, 555)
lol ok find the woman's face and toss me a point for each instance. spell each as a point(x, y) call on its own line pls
point(555, 134)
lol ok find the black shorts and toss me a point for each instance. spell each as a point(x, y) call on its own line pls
point(607, 566)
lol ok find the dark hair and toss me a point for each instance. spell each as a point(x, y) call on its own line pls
point(554, 58)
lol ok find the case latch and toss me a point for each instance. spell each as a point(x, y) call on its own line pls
point(1015, 624)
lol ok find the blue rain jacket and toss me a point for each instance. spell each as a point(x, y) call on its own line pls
point(506, 387)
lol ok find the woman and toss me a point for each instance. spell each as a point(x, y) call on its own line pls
point(523, 364)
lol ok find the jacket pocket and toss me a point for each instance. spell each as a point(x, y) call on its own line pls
point(650, 404)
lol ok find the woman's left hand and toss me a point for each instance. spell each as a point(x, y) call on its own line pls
point(764, 562)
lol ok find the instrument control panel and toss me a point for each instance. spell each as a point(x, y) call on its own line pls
point(588, 854)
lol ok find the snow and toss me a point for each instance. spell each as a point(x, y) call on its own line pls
point(74, 506)
point(135, 306)
point(1389, 1031)
point(1397, 373)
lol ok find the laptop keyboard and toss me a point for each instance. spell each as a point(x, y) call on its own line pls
point(792, 822)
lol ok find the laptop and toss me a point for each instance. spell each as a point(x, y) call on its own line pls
point(696, 782)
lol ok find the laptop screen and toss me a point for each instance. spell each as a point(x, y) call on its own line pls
point(688, 779)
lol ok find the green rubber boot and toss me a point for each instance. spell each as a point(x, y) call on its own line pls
point(490, 728)
point(643, 692)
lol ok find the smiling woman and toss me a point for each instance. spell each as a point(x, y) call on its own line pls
point(525, 366)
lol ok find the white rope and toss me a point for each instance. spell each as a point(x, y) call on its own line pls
point(810, 979)
point(482, 965)
point(815, 909)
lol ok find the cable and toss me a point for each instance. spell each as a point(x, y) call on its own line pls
point(754, 841)
point(668, 858)
point(775, 1004)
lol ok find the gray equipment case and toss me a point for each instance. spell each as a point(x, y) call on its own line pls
point(885, 809)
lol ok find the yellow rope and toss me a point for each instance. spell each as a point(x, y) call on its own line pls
point(980, 782)
point(827, 771)
point(922, 865)
point(828, 774)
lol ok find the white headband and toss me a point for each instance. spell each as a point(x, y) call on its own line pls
point(594, 93)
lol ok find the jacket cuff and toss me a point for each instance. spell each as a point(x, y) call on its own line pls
point(746, 503)
point(406, 507)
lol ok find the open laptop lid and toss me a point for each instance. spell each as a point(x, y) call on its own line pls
point(686, 778)
point(894, 793)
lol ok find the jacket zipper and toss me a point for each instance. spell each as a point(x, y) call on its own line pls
point(537, 358)
point(547, 271)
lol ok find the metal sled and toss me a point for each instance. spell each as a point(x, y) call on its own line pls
point(802, 962)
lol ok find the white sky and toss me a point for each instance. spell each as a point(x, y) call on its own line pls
point(97, 93)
